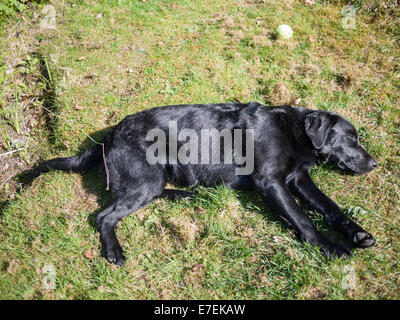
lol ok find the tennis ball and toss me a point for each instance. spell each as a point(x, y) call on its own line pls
point(284, 31)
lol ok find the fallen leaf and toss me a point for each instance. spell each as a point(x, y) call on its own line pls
point(295, 102)
point(198, 267)
point(78, 107)
point(81, 58)
point(309, 2)
point(89, 254)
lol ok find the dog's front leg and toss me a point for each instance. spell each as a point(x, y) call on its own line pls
point(305, 187)
point(279, 199)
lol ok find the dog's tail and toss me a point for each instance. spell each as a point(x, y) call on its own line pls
point(84, 162)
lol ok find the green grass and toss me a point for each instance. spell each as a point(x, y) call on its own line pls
point(225, 244)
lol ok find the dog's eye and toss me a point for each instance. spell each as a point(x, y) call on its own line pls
point(353, 136)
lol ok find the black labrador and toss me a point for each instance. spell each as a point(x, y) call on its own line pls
point(285, 143)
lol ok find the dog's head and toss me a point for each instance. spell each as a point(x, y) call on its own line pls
point(336, 140)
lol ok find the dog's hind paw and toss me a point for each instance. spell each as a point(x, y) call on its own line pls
point(363, 239)
point(115, 257)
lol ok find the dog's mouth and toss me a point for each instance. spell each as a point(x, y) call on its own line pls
point(341, 165)
point(349, 170)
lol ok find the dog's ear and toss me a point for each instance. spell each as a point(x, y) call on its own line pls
point(317, 126)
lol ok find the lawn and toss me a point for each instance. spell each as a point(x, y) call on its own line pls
point(104, 60)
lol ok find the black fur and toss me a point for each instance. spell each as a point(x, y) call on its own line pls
point(287, 143)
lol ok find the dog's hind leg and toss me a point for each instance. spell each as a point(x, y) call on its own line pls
point(134, 187)
point(123, 206)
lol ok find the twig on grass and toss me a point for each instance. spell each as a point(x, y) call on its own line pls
point(10, 152)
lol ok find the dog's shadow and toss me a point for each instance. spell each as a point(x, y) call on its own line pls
point(93, 181)
point(251, 200)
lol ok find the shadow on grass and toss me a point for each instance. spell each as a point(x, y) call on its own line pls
point(49, 102)
point(253, 202)
point(94, 181)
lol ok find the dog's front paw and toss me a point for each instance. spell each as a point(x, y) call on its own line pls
point(115, 256)
point(334, 250)
point(363, 239)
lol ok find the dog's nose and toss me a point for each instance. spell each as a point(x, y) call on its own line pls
point(373, 164)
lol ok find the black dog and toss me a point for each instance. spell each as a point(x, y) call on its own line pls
point(286, 141)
